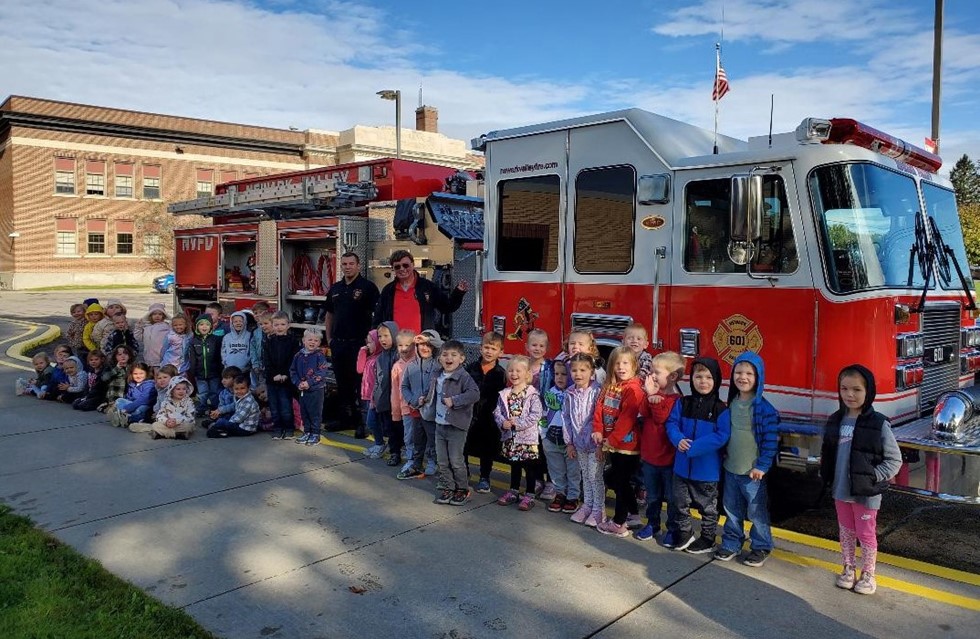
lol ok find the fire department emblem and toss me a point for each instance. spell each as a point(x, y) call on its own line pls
point(523, 320)
point(357, 294)
point(735, 335)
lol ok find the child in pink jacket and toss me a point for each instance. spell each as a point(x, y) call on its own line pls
point(367, 357)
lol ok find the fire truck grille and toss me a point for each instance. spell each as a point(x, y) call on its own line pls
point(940, 333)
point(609, 326)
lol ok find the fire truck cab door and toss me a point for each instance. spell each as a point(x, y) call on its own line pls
point(610, 253)
point(721, 309)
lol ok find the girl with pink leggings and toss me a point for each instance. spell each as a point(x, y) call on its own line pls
point(860, 456)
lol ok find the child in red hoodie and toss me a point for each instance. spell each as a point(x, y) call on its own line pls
point(614, 425)
point(656, 451)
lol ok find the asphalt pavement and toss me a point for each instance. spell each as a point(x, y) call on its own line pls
point(256, 538)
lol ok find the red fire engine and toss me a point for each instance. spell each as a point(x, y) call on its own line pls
point(832, 244)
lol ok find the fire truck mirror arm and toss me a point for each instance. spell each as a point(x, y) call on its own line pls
point(745, 217)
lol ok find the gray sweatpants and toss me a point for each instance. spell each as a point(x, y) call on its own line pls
point(564, 472)
point(449, 457)
point(701, 494)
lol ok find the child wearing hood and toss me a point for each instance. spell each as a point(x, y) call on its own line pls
point(699, 427)
point(151, 334)
point(175, 345)
point(175, 419)
point(96, 386)
point(859, 457)
point(381, 396)
point(750, 454)
point(204, 363)
point(367, 358)
point(236, 345)
point(77, 383)
point(94, 314)
point(415, 385)
point(403, 416)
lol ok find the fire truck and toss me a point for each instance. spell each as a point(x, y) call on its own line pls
point(279, 238)
point(832, 244)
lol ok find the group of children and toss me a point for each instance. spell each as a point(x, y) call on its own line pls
point(571, 429)
point(567, 426)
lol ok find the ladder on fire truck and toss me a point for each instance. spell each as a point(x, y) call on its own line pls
point(281, 199)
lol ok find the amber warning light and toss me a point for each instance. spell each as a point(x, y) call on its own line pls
point(848, 131)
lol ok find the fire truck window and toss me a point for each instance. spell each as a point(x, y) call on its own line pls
point(527, 227)
point(604, 220)
point(707, 229)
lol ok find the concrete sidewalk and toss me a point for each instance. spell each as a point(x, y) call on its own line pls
point(256, 538)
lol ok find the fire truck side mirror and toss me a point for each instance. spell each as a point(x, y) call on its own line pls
point(745, 218)
point(653, 189)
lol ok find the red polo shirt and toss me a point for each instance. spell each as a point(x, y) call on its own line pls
point(407, 313)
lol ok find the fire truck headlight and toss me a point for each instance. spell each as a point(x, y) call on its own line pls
point(909, 345)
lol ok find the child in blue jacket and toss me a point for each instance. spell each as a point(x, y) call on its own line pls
point(750, 454)
point(308, 373)
point(699, 427)
point(141, 395)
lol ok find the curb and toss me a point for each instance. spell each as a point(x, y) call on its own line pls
point(16, 351)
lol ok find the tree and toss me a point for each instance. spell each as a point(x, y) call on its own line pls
point(970, 221)
point(966, 181)
point(156, 226)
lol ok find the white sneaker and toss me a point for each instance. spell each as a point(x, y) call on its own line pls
point(866, 585)
point(846, 578)
point(634, 522)
point(548, 493)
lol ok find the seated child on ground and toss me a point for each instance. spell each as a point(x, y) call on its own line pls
point(116, 375)
point(95, 385)
point(226, 398)
point(140, 397)
point(176, 417)
point(244, 419)
point(77, 383)
point(119, 334)
point(41, 383)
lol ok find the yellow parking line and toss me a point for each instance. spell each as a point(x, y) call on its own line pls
point(950, 574)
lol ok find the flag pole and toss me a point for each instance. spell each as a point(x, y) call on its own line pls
point(717, 97)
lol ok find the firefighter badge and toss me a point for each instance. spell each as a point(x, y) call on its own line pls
point(735, 335)
point(523, 320)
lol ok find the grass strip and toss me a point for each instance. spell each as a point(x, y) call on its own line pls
point(48, 590)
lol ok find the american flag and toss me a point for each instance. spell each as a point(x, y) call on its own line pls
point(721, 85)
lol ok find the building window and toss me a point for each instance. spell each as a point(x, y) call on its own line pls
point(95, 178)
point(124, 237)
point(604, 220)
point(64, 176)
point(228, 176)
point(527, 227)
point(95, 229)
point(66, 236)
point(151, 245)
point(205, 183)
point(151, 182)
point(124, 180)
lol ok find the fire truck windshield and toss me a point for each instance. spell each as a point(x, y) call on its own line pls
point(941, 206)
point(866, 215)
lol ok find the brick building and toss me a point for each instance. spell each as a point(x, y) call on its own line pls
point(84, 189)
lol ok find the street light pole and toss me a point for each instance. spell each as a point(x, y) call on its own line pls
point(937, 71)
point(396, 95)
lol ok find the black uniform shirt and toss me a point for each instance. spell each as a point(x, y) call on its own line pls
point(352, 306)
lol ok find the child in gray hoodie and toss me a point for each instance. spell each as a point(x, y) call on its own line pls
point(236, 345)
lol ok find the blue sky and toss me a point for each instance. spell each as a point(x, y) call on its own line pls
point(491, 65)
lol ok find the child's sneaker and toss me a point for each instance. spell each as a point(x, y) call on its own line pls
point(557, 503)
point(610, 527)
point(430, 469)
point(549, 492)
point(866, 585)
point(508, 498)
point(302, 440)
point(756, 558)
point(581, 515)
point(527, 502)
point(444, 497)
point(21, 386)
point(373, 452)
point(570, 506)
point(483, 486)
point(682, 541)
point(411, 473)
point(724, 554)
point(846, 578)
point(633, 522)
point(460, 497)
point(593, 520)
point(702, 545)
point(313, 440)
point(646, 533)
point(669, 540)
point(394, 460)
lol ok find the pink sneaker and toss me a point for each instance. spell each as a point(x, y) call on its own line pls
point(580, 515)
point(527, 502)
point(508, 498)
point(593, 520)
point(609, 527)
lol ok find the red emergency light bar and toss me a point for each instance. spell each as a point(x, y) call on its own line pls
point(848, 131)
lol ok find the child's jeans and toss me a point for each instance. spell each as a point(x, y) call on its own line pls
point(371, 420)
point(657, 481)
point(207, 394)
point(564, 472)
point(858, 523)
point(703, 495)
point(137, 412)
point(224, 427)
point(744, 499)
point(383, 420)
point(311, 408)
point(409, 425)
point(449, 453)
point(281, 404)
